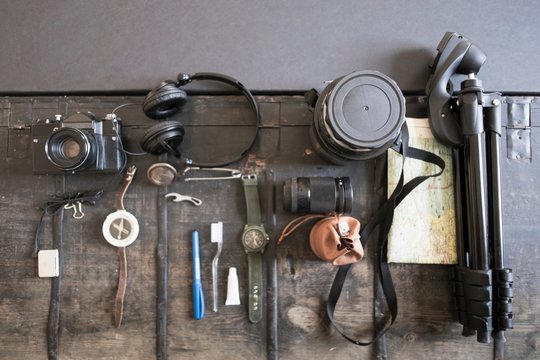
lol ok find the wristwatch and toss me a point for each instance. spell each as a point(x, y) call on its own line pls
point(121, 229)
point(254, 240)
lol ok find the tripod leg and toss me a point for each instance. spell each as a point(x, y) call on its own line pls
point(493, 128)
point(471, 113)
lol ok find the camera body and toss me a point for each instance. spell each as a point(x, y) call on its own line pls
point(78, 143)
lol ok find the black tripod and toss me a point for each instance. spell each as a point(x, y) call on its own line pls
point(471, 124)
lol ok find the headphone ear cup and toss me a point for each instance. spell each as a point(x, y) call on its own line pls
point(164, 101)
point(163, 137)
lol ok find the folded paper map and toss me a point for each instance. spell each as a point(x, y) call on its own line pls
point(424, 230)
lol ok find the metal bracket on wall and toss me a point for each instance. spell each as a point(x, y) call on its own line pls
point(518, 129)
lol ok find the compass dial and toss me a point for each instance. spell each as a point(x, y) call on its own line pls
point(120, 228)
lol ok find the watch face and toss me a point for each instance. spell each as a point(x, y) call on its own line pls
point(120, 228)
point(254, 239)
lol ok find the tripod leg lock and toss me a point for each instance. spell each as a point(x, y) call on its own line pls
point(502, 297)
point(473, 294)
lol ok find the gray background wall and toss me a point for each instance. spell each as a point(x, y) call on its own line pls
point(268, 45)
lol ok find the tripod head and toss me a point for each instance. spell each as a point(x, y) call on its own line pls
point(457, 55)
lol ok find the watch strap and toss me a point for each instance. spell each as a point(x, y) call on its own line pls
point(122, 258)
point(122, 283)
point(253, 205)
point(123, 188)
point(255, 286)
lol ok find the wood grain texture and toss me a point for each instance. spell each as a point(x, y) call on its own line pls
point(424, 328)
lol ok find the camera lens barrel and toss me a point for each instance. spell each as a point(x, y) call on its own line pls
point(357, 117)
point(70, 149)
point(318, 195)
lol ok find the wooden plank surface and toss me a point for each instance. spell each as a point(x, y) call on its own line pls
point(424, 329)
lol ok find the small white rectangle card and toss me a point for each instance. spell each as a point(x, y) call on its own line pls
point(48, 264)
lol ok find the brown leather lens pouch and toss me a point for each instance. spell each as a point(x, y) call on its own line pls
point(336, 239)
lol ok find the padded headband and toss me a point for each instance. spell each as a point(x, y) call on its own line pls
point(184, 79)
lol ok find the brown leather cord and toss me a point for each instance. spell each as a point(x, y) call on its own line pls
point(122, 284)
point(123, 188)
point(296, 223)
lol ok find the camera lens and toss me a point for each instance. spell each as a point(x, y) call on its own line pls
point(319, 195)
point(357, 117)
point(70, 149)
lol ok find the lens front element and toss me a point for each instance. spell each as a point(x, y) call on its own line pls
point(70, 149)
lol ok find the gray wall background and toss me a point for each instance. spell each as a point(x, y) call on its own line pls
point(268, 45)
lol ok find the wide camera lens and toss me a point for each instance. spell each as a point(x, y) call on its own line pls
point(318, 195)
point(70, 149)
point(357, 117)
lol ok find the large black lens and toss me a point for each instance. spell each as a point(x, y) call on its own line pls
point(357, 117)
point(71, 149)
point(318, 195)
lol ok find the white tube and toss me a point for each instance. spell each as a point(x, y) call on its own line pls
point(233, 293)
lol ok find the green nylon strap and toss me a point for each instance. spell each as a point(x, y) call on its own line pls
point(252, 199)
point(255, 287)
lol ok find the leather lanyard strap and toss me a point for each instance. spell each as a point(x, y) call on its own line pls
point(383, 218)
point(122, 284)
point(122, 258)
point(123, 188)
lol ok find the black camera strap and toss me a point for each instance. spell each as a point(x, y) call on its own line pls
point(53, 323)
point(383, 219)
point(55, 207)
point(59, 201)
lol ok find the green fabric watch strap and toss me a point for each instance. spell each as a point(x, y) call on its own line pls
point(252, 199)
point(255, 286)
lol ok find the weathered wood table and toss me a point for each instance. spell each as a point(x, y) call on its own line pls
point(217, 127)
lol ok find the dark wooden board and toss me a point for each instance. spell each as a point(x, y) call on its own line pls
point(219, 126)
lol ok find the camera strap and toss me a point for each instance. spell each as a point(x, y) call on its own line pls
point(60, 201)
point(55, 207)
point(383, 219)
point(53, 324)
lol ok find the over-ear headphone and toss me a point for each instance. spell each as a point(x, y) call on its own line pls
point(167, 99)
point(165, 136)
point(164, 100)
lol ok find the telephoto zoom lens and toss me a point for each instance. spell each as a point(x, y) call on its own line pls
point(318, 195)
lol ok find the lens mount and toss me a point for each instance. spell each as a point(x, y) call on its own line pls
point(70, 149)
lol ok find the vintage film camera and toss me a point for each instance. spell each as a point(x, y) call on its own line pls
point(78, 143)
